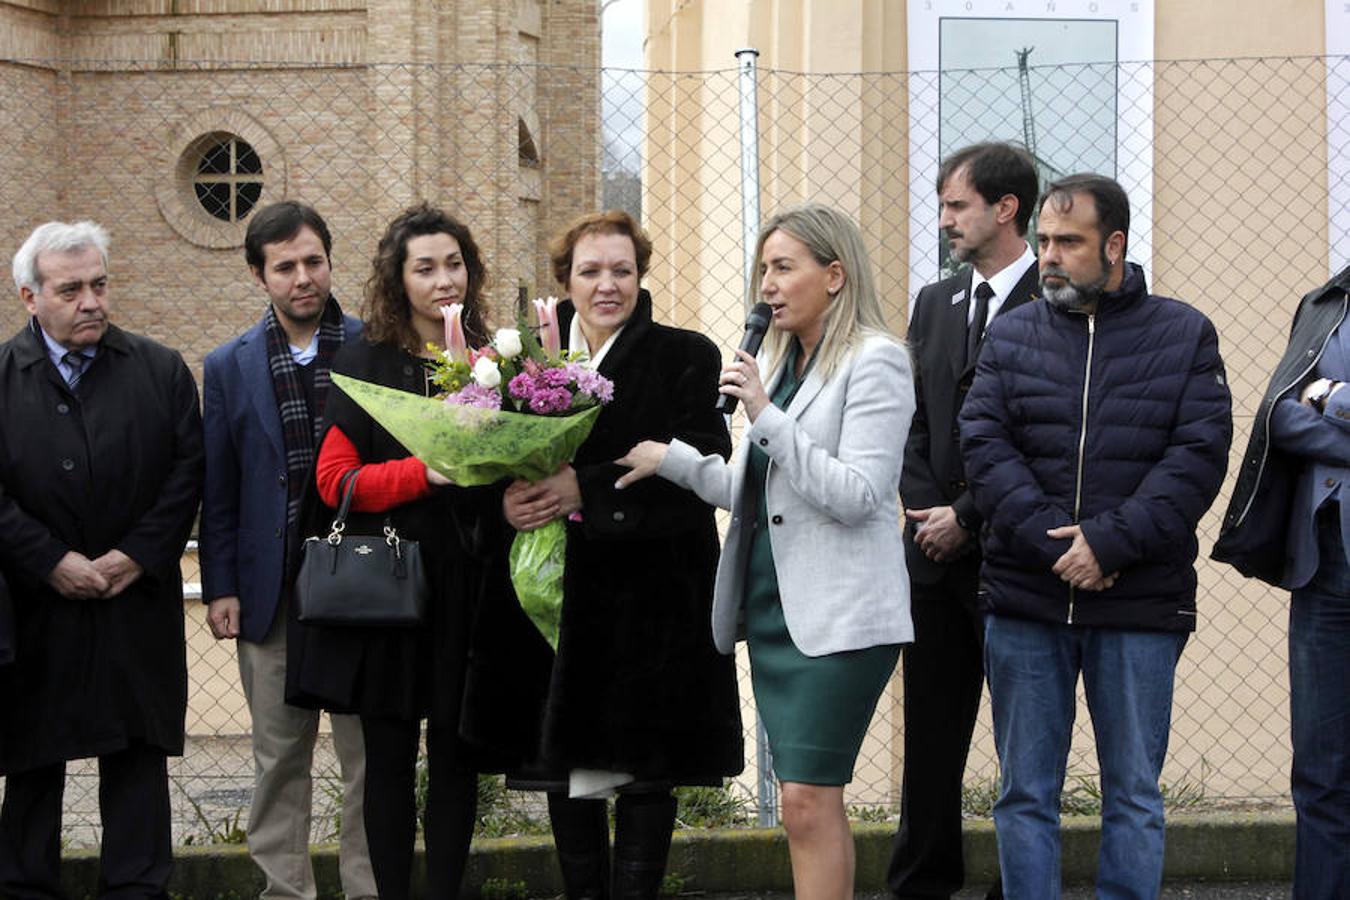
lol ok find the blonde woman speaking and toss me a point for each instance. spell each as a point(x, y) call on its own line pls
point(813, 571)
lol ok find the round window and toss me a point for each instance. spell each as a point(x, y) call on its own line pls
point(227, 176)
point(225, 166)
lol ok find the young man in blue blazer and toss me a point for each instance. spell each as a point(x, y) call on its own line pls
point(264, 398)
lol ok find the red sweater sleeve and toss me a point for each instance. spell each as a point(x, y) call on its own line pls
point(380, 487)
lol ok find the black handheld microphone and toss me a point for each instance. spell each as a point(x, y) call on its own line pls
point(755, 325)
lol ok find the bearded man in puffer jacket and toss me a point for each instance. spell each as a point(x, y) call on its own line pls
point(1095, 436)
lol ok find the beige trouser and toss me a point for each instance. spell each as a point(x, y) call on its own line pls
point(283, 752)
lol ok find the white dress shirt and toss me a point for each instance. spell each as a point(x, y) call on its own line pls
point(1002, 282)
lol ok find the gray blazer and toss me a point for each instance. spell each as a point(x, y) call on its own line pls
point(832, 495)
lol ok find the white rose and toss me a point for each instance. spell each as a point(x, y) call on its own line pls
point(507, 343)
point(486, 373)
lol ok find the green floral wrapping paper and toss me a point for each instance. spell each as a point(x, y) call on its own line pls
point(473, 446)
point(537, 560)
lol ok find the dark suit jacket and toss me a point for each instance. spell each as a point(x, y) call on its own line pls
point(933, 473)
point(243, 526)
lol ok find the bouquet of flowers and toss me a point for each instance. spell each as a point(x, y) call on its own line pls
point(516, 408)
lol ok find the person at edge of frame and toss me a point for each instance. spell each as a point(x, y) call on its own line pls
point(101, 459)
point(1287, 525)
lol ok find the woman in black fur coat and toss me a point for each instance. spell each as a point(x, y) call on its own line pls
point(638, 700)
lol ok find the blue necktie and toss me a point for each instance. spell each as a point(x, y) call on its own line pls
point(76, 363)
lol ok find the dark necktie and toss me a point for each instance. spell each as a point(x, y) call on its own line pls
point(982, 294)
point(75, 362)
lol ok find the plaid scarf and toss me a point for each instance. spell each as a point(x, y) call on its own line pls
point(299, 424)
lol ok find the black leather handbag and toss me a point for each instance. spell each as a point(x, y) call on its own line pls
point(357, 579)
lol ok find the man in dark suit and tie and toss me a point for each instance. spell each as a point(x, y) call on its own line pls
point(986, 193)
point(264, 398)
point(101, 463)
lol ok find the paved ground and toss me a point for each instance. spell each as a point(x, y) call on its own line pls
point(1217, 891)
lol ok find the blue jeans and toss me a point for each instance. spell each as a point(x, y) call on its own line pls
point(1033, 669)
point(1319, 701)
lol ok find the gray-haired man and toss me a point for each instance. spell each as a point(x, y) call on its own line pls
point(101, 459)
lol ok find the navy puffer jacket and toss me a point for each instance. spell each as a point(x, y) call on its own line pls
point(1119, 421)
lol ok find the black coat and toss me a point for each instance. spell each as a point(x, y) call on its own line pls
point(1256, 525)
point(118, 466)
point(637, 685)
point(405, 673)
point(6, 624)
point(933, 474)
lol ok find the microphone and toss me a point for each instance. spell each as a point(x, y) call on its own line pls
point(755, 325)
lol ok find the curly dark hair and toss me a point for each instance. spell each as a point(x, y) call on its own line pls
point(386, 311)
point(614, 221)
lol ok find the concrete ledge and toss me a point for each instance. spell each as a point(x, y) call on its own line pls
point(1200, 847)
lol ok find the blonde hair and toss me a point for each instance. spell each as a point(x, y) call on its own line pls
point(854, 313)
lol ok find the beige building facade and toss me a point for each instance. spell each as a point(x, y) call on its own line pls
point(848, 141)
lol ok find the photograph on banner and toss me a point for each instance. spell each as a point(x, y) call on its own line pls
point(1073, 82)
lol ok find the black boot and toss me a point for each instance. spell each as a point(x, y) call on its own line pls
point(642, 827)
point(581, 836)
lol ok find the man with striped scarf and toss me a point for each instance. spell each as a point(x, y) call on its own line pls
point(264, 399)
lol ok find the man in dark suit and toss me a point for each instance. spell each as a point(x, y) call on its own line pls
point(987, 193)
point(264, 399)
point(101, 462)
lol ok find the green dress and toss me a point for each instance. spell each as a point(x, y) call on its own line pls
point(816, 709)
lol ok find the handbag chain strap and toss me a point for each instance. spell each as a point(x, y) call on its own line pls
point(348, 487)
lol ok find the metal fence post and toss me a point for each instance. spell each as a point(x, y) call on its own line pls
point(749, 164)
point(767, 793)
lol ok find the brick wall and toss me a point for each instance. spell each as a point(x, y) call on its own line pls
point(357, 107)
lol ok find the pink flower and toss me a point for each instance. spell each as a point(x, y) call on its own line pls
point(474, 394)
point(455, 343)
point(475, 355)
point(593, 384)
point(549, 401)
point(550, 338)
point(555, 378)
point(521, 387)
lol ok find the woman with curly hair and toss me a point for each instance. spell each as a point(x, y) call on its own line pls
point(393, 677)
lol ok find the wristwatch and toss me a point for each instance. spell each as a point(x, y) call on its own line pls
point(1319, 399)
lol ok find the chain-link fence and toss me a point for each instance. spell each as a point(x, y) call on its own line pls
point(1228, 174)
